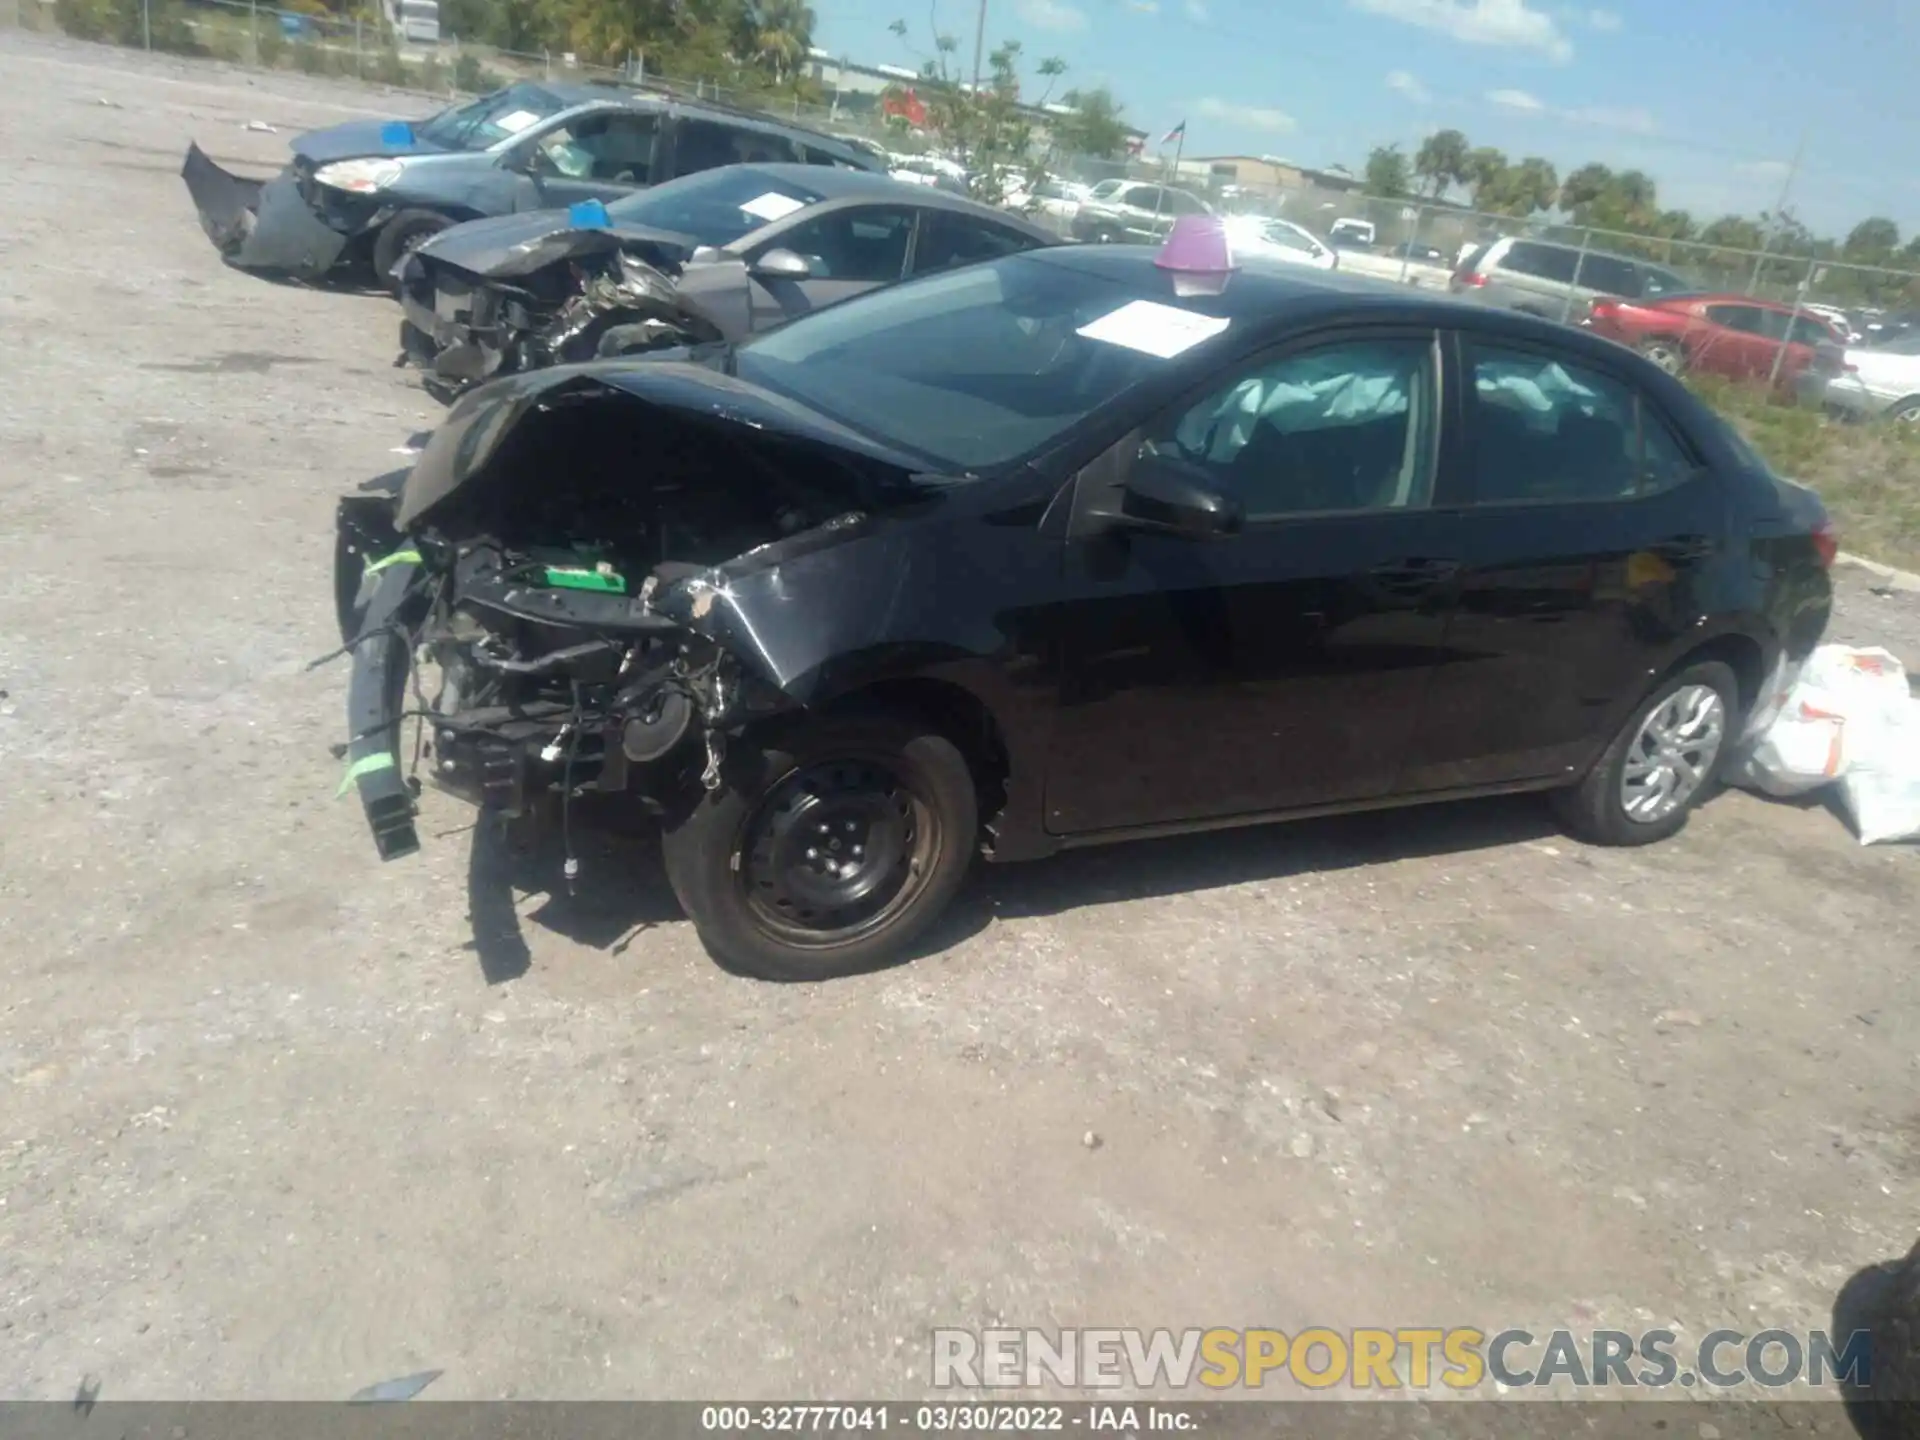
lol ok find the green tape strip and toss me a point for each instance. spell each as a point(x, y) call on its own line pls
point(365, 765)
point(398, 557)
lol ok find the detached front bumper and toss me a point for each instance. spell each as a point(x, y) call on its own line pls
point(275, 226)
point(438, 332)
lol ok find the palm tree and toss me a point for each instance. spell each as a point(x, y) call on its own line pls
point(782, 35)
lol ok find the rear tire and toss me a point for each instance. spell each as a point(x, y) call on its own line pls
point(1906, 411)
point(1621, 801)
point(828, 849)
point(404, 232)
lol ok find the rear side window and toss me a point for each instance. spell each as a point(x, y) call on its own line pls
point(707, 144)
point(1609, 275)
point(1660, 282)
point(948, 239)
point(1744, 318)
point(1810, 331)
point(1547, 262)
point(1181, 203)
point(1145, 196)
point(1549, 430)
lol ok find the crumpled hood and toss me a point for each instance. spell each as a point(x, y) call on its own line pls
point(460, 451)
point(352, 139)
point(505, 246)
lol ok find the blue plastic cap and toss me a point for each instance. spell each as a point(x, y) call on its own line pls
point(588, 215)
point(396, 132)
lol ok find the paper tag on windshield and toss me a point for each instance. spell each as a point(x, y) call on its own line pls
point(773, 206)
point(516, 121)
point(1153, 328)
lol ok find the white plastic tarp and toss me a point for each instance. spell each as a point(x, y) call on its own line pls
point(1849, 720)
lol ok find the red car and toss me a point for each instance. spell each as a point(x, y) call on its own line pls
point(1732, 335)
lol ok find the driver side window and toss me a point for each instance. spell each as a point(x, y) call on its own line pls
point(1347, 426)
point(615, 147)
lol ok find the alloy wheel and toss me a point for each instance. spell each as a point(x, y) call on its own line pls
point(1673, 753)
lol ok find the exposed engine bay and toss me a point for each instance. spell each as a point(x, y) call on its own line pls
point(540, 621)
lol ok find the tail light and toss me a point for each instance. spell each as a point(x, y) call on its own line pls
point(1826, 544)
point(1603, 309)
point(1472, 279)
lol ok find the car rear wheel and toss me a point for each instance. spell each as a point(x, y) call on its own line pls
point(1666, 353)
point(404, 233)
point(828, 849)
point(1907, 411)
point(1663, 762)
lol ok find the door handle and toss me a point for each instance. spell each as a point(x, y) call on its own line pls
point(1415, 574)
point(1683, 548)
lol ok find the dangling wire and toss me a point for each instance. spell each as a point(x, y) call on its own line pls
point(571, 868)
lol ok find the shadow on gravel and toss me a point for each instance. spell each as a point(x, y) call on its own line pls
point(1884, 1301)
point(622, 889)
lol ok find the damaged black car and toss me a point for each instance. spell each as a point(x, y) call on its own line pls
point(357, 197)
point(715, 256)
point(1077, 545)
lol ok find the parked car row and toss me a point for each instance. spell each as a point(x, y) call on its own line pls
point(849, 593)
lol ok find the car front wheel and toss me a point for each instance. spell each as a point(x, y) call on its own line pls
point(828, 849)
point(1662, 763)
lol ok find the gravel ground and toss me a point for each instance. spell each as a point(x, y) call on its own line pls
point(276, 1121)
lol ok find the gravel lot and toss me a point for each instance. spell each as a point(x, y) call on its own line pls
point(277, 1121)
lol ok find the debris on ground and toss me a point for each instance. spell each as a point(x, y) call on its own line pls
point(1849, 719)
point(404, 1388)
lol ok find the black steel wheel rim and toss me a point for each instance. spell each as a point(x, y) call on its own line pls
point(836, 851)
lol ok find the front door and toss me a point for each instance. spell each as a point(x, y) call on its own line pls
point(1586, 528)
point(1285, 666)
point(601, 155)
point(847, 251)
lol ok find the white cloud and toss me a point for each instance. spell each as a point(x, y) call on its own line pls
point(1052, 15)
point(1515, 100)
point(1763, 169)
point(1145, 7)
point(1507, 23)
point(1403, 83)
point(1606, 21)
point(1612, 117)
point(1196, 11)
point(1254, 117)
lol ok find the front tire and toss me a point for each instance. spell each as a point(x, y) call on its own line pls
point(1664, 761)
point(828, 849)
point(405, 232)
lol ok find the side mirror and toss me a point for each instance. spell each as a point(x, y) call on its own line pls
point(780, 264)
point(519, 159)
point(1167, 497)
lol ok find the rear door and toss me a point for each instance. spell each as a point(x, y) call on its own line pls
point(1587, 525)
point(1532, 277)
point(1741, 350)
point(1285, 666)
point(951, 237)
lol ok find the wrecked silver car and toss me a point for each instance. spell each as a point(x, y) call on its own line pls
point(715, 256)
point(361, 195)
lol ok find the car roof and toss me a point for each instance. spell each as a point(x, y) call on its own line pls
point(1589, 250)
point(1265, 293)
point(833, 183)
point(583, 92)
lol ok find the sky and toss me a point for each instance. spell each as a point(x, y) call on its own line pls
point(1713, 98)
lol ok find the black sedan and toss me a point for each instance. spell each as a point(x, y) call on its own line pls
point(719, 255)
point(1064, 548)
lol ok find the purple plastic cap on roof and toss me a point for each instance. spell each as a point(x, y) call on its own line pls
point(1198, 255)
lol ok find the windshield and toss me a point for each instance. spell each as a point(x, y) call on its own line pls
point(715, 207)
point(978, 367)
point(491, 118)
